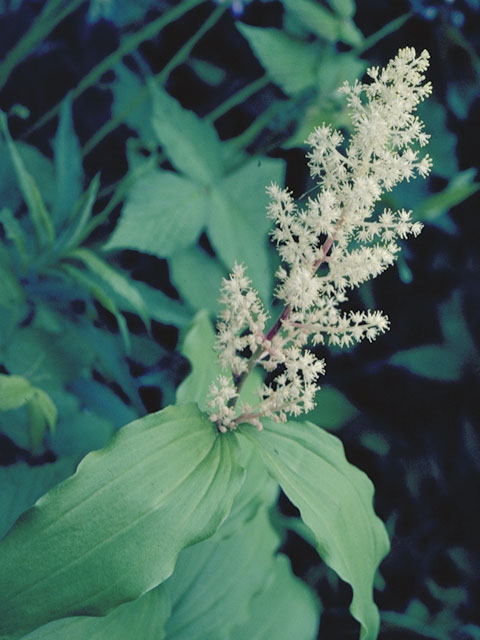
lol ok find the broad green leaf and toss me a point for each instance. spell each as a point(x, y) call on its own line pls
point(143, 618)
point(198, 278)
point(191, 144)
point(335, 501)
point(68, 165)
point(216, 582)
point(163, 214)
point(23, 484)
point(290, 63)
point(15, 391)
point(238, 224)
point(117, 526)
point(438, 362)
point(198, 348)
point(30, 192)
point(287, 609)
point(113, 278)
point(258, 491)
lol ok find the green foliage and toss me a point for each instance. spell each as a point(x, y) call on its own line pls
point(163, 528)
point(335, 502)
point(147, 484)
point(291, 63)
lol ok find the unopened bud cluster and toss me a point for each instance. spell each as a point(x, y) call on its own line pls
point(340, 230)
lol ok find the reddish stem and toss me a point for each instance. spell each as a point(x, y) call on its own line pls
point(252, 361)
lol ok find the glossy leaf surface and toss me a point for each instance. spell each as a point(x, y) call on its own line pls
point(113, 530)
point(335, 501)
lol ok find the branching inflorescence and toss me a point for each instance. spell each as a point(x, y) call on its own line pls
point(339, 229)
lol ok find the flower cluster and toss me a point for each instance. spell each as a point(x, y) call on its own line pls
point(340, 230)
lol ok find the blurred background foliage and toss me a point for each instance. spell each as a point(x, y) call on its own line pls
point(136, 143)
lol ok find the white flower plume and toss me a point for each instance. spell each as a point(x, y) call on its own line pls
point(340, 229)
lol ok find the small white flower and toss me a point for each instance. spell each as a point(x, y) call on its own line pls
point(339, 228)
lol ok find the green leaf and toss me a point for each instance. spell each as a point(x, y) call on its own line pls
point(454, 326)
point(14, 232)
point(198, 278)
point(438, 362)
point(287, 609)
point(33, 199)
point(460, 187)
point(80, 428)
point(216, 581)
point(333, 409)
point(47, 357)
point(198, 347)
point(236, 211)
point(114, 279)
point(344, 8)
point(258, 491)
point(36, 164)
point(90, 283)
point(23, 484)
point(117, 526)
point(15, 392)
point(442, 143)
point(290, 63)
point(348, 32)
point(315, 17)
point(68, 165)
point(191, 144)
point(335, 501)
point(130, 103)
point(329, 26)
point(12, 295)
point(163, 214)
point(143, 618)
point(77, 229)
point(161, 307)
point(42, 414)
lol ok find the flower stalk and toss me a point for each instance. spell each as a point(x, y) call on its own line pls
point(342, 228)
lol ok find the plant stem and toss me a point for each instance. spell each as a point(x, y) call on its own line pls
point(129, 44)
point(42, 25)
point(278, 324)
point(385, 31)
point(239, 97)
point(181, 55)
